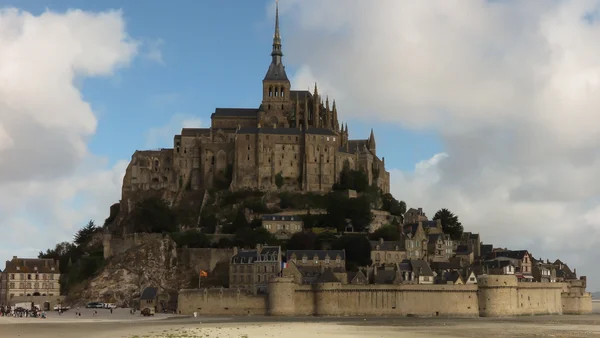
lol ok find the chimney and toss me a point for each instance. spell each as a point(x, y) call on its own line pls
point(575, 272)
point(14, 257)
point(235, 250)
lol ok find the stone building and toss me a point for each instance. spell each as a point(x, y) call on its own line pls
point(387, 252)
point(293, 140)
point(439, 248)
point(2, 289)
point(413, 215)
point(473, 242)
point(282, 226)
point(252, 269)
point(307, 266)
point(416, 241)
point(31, 277)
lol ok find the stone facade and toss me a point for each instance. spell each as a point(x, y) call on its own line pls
point(251, 269)
point(493, 296)
point(282, 226)
point(29, 277)
point(292, 141)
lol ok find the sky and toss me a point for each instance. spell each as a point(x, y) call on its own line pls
point(488, 108)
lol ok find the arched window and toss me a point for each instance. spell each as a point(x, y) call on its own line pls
point(281, 94)
point(276, 92)
point(270, 91)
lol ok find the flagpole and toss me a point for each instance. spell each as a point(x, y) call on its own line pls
point(199, 279)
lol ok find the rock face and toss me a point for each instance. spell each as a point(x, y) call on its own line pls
point(153, 263)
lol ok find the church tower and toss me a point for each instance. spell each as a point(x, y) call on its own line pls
point(276, 85)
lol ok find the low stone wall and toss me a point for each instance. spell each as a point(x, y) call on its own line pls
point(539, 299)
point(221, 302)
point(37, 300)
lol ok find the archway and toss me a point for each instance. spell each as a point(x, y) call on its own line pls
point(36, 293)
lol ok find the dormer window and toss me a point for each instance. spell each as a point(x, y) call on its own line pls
point(304, 259)
point(316, 259)
point(18, 268)
point(327, 260)
point(377, 247)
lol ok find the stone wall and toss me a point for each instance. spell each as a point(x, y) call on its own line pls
point(221, 302)
point(116, 245)
point(204, 258)
point(495, 296)
point(37, 300)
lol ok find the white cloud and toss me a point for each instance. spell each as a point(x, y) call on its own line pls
point(50, 184)
point(512, 87)
point(152, 50)
point(162, 137)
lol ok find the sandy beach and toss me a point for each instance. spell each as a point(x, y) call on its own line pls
point(122, 324)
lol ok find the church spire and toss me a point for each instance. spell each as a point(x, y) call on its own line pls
point(276, 53)
point(276, 70)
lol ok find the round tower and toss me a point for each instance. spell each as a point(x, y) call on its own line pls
point(326, 299)
point(497, 295)
point(281, 296)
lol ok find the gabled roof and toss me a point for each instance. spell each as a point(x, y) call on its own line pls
point(385, 277)
point(245, 256)
point(355, 275)
point(31, 265)
point(420, 267)
point(149, 293)
point(321, 254)
point(438, 266)
point(454, 276)
point(518, 254)
point(387, 245)
point(327, 277)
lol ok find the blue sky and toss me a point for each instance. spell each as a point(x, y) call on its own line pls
point(419, 72)
point(215, 54)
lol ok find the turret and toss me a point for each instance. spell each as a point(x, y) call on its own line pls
point(276, 85)
point(371, 143)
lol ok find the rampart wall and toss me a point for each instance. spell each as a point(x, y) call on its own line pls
point(494, 296)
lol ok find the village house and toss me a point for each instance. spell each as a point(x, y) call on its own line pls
point(282, 226)
point(472, 241)
point(31, 277)
point(439, 248)
point(252, 269)
point(543, 272)
point(387, 252)
point(412, 216)
point(357, 278)
point(307, 266)
point(563, 272)
point(416, 241)
point(499, 266)
point(433, 227)
point(2, 289)
point(465, 254)
point(523, 263)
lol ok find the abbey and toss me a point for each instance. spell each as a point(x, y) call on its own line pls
point(292, 141)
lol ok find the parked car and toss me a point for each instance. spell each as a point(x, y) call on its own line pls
point(147, 312)
point(110, 306)
point(94, 305)
point(61, 307)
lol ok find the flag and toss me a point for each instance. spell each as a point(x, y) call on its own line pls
point(283, 265)
point(203, 273)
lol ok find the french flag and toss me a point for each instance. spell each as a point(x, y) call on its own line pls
point(283, 265)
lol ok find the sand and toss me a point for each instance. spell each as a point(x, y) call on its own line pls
point(122, 324)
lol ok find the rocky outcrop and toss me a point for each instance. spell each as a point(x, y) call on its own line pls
point(153, 263)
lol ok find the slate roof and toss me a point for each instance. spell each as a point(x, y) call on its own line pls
point(463, 250)
point(235, 112)
point(352, 275)
point(384, 277)
point(519, 254)
point(276, 72)
point(327, 277)
point(195, 131)
point(437, 266)
point(250, 256)
point(429, 224)
point(270, 131)
point(281, 218)
point(486, 249)
point(320, 131)
point(31, 265)
point(421, 267)
point(149, 293)
point(387, 245)
point(353, 145)
point(321, 254)
point(300, 94)
point(410, 229)
point(434, 237)
point(453, 276)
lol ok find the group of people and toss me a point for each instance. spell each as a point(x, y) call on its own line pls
point(7, 311)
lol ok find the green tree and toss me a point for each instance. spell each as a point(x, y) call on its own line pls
point(248, 238)
point(279, 180)
point(359, 212)
point(337, 208)
point(85, 234)
point(358, 250)
point(388, 232)
point(392, 205)
point(303, 241)
point(450, 223)
point(239, 222)
point(153, 215)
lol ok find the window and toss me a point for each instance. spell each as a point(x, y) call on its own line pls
point(326, 260)
point(304, 259)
